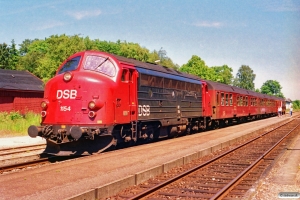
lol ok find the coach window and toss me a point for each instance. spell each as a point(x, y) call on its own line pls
point(241, 101)
point(226, 99)
point(230, 99)
point(218, 101)
point(222, 99)
point(238, 100)
point(246, 101)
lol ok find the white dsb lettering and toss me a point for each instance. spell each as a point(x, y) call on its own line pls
point(66, 94)
point(144, 110)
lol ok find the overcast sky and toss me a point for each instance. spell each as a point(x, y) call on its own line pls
point(263, 34)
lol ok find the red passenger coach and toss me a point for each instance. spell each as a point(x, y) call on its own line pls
point(231, 103)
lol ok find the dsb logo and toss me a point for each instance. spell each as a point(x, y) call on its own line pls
point(66, 94)
point(144, 110)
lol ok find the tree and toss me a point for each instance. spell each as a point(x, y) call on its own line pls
point(162, 54)
point(245, 78)
point(43, 57)
point(23, 50)
point(197, 67)
point(222, 74)
point(4, 56)
point(271, 87)
point(13, 56)
point(134, 50)
point(296, 104)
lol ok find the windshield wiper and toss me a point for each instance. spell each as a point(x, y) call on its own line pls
point(101, 63)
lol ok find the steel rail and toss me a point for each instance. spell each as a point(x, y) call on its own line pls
point(23, 165)
point(173, 179)
point(230, 185)
point(21, 149)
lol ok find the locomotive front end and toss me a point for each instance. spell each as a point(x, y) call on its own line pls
point(76, 110)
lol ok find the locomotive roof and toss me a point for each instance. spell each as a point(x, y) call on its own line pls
point(228, 88)
point(155, 67)
point(19, 80)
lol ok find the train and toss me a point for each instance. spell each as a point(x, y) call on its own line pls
point(98, 100)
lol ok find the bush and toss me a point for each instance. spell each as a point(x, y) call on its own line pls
point(16, 124)
point(296, 104)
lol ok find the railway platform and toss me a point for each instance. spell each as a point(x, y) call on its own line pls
point(10, 142)
point(100, 176)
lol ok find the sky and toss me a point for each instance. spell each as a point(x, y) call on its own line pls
point(263, 34)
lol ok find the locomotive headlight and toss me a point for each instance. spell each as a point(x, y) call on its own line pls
point(44, 104)
point(92, 105)
point(95, 104)
point(68, 76)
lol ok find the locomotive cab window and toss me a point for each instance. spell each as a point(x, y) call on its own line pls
point(100, 64)
point(70, 65)
point(125, 75)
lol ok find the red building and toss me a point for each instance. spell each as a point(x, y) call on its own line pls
point(20, 91)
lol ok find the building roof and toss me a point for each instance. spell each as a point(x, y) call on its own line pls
point(288, 100)
point(19, 80)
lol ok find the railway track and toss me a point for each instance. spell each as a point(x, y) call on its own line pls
point(227, 176)
point(16, 155)
point(14, 159)
point(23, 149)
point(33, 163)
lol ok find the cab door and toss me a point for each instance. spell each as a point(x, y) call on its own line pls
point(133, 75)
point(126, 109)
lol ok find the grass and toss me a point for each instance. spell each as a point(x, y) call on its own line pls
point(15, 124)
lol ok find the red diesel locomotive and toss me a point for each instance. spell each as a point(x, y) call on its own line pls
point(97, 100)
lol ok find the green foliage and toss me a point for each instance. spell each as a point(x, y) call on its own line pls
point(222, 74)
point(4, 56)
point(14, 123)
point(272, 87)
point(134, 50)
point(43, 57)
point(197, 67)
point(245, 78)
point(9, 56)
point(15, 115)
point(296, 104)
